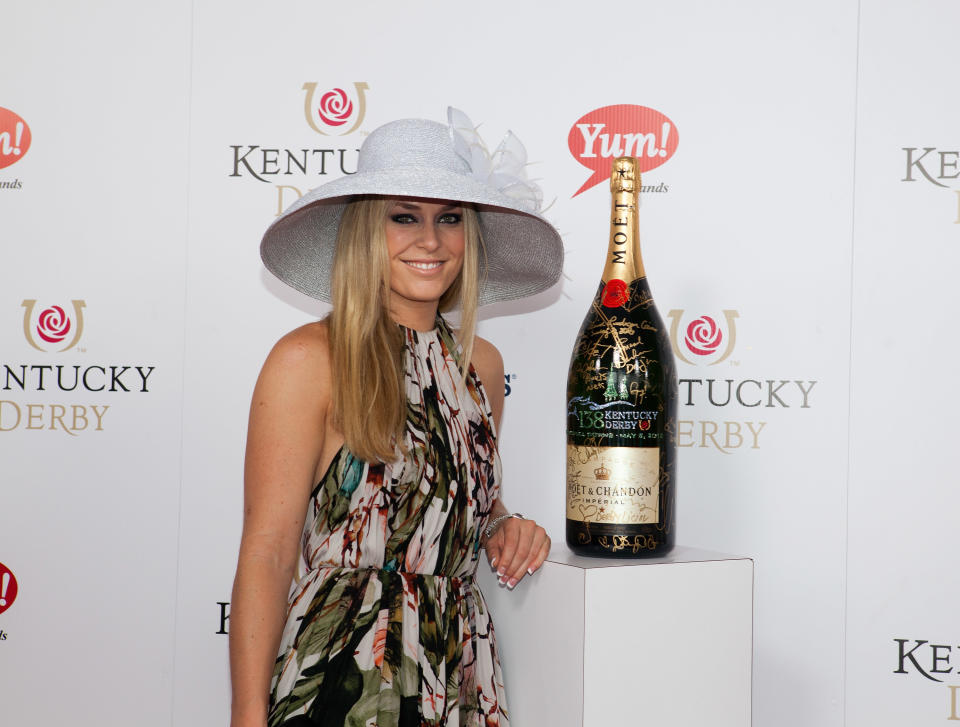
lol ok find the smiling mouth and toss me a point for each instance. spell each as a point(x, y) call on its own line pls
point(431, 265)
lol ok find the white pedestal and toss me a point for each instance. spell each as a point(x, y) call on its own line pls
point(663, 642)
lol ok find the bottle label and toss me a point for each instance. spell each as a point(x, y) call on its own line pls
point(615, 485)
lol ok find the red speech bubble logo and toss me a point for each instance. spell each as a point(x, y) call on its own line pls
point(8, 588)
point(14, 138)
point(621, 130)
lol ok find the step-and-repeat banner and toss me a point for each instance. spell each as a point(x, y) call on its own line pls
point(801, 229)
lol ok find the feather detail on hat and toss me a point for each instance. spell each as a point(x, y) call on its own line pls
point(504, 170)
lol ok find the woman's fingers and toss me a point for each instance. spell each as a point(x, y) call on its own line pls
point(493, 547)
point(540, 557)
point(525, 547)
point(509, 536)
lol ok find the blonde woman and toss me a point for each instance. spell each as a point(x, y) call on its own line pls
point(372, 478)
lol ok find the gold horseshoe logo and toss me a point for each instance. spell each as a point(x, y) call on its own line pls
point(676, 314)
point(78, 306)
point(308, 107)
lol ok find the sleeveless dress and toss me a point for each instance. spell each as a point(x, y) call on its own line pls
point(386, 627)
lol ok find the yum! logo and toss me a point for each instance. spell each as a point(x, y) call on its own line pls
point(14, 138)
point(707, 339)
point(52, 327)
point(8, 588)
point(333, 112)
point(603, 134)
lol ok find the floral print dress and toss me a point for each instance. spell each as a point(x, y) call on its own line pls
point(386, 626)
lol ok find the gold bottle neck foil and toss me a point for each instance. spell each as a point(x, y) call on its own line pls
point(623, 253)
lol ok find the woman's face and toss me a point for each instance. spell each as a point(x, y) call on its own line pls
point(425, 245)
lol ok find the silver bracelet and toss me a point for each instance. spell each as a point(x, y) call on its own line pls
point(492, 525)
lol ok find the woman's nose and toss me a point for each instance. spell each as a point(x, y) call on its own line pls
point(429, 238)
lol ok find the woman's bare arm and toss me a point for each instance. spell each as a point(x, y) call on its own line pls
point(518, 547)
point(286, 441)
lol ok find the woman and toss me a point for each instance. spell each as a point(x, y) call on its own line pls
point(372, 473)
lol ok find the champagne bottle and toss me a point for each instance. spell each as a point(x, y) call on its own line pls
point(622, 403)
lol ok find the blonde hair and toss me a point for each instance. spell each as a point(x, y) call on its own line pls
point(366, 345)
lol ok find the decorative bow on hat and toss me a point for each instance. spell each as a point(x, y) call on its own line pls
point(504, 170)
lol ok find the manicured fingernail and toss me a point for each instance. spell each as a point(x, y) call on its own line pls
point(500, 572)
point(512, 583)
point(493, 562)
point(501, 581)
point(530, 571)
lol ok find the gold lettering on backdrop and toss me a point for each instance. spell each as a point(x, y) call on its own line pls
point(953, 702)
point(11, 409)
point(281, 204)
point(51, 417)
point(34, 416)
point(56, 415)
point(99, 416)
point(79, 415)
point(613, 485)
point(722, 436)
point(707, 431)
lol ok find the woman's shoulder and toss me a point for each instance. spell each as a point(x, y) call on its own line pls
point(309, 339)
point(301, 356)
point(486, 359)
point(488, 364)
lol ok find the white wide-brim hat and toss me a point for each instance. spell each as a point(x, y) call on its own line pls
point(420, 158)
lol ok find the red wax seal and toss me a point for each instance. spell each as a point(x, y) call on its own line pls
point(614, 294)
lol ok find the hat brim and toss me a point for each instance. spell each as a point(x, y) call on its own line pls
point(523, 251)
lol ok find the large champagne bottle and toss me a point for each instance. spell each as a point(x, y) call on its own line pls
point(622, 403)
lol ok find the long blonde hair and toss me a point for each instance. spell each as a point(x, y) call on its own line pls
point(366, 345)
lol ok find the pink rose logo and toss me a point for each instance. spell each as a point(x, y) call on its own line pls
point(335, 108)
point(53, 325)
point(703, 336)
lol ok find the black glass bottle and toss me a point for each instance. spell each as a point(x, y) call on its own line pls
point(622, 403)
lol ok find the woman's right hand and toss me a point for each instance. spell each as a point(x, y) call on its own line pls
point(517, 548)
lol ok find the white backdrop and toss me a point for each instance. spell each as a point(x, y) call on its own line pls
point(799, 212)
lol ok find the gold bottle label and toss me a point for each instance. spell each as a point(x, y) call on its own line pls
point(624, 263)
point(613, 485)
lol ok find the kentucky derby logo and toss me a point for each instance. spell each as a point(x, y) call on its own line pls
point(598, 137)
point(704, 339)
point(14, 138)
point(53, 326)
point(333, 112)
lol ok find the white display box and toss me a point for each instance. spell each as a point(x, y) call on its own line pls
point(589, 642)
